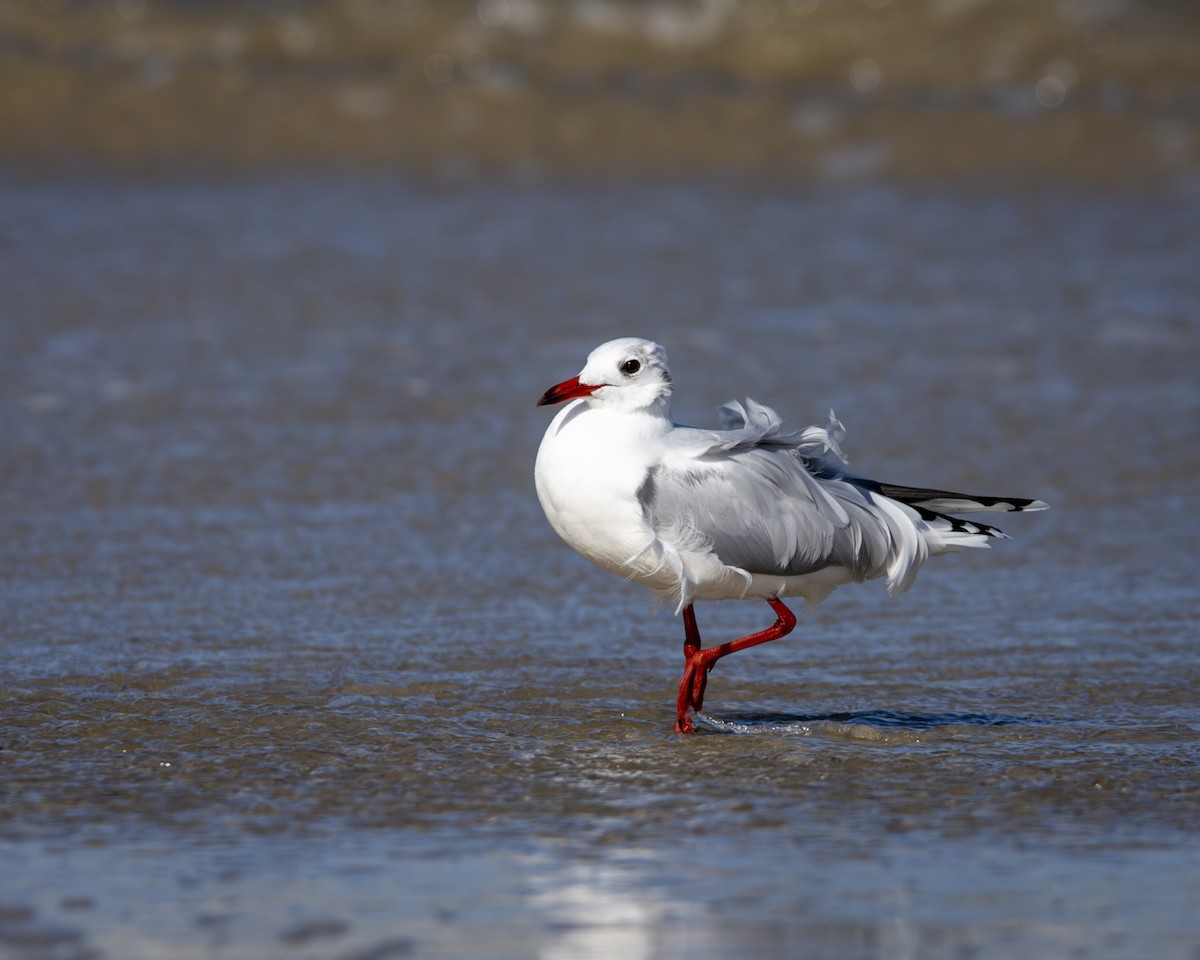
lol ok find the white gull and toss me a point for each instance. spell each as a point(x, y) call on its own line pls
point(754, 510)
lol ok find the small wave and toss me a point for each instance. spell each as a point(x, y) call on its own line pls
point(888, 726)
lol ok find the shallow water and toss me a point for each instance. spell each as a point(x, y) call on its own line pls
point(293, 665)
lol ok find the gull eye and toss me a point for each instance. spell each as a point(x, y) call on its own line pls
point(630, 367)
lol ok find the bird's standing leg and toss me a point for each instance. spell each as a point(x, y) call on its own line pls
point(691, 651)
point(697, 662)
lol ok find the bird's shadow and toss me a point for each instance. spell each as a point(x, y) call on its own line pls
point(882, 719)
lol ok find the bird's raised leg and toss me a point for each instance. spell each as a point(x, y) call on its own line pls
point(697, 662)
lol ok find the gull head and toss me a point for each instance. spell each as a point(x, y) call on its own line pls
point(626, 374)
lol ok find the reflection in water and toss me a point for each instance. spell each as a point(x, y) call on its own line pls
point(593, 910)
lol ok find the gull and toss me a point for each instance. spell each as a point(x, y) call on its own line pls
point(753, 510)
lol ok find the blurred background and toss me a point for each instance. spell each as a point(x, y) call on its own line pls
point(291, 664)
point(1069, 91)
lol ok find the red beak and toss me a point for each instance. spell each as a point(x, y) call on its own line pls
point(568, 390)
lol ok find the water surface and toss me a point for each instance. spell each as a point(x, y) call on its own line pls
point(293, 665)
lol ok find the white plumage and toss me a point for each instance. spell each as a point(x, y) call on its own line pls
point(751, 510)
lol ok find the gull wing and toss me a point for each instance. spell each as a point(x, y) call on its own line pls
point(768, 500)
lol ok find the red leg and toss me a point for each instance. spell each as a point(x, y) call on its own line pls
point(698, 662)
point(691, 650)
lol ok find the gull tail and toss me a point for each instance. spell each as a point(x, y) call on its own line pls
point(936, 506)
point(943, 501)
